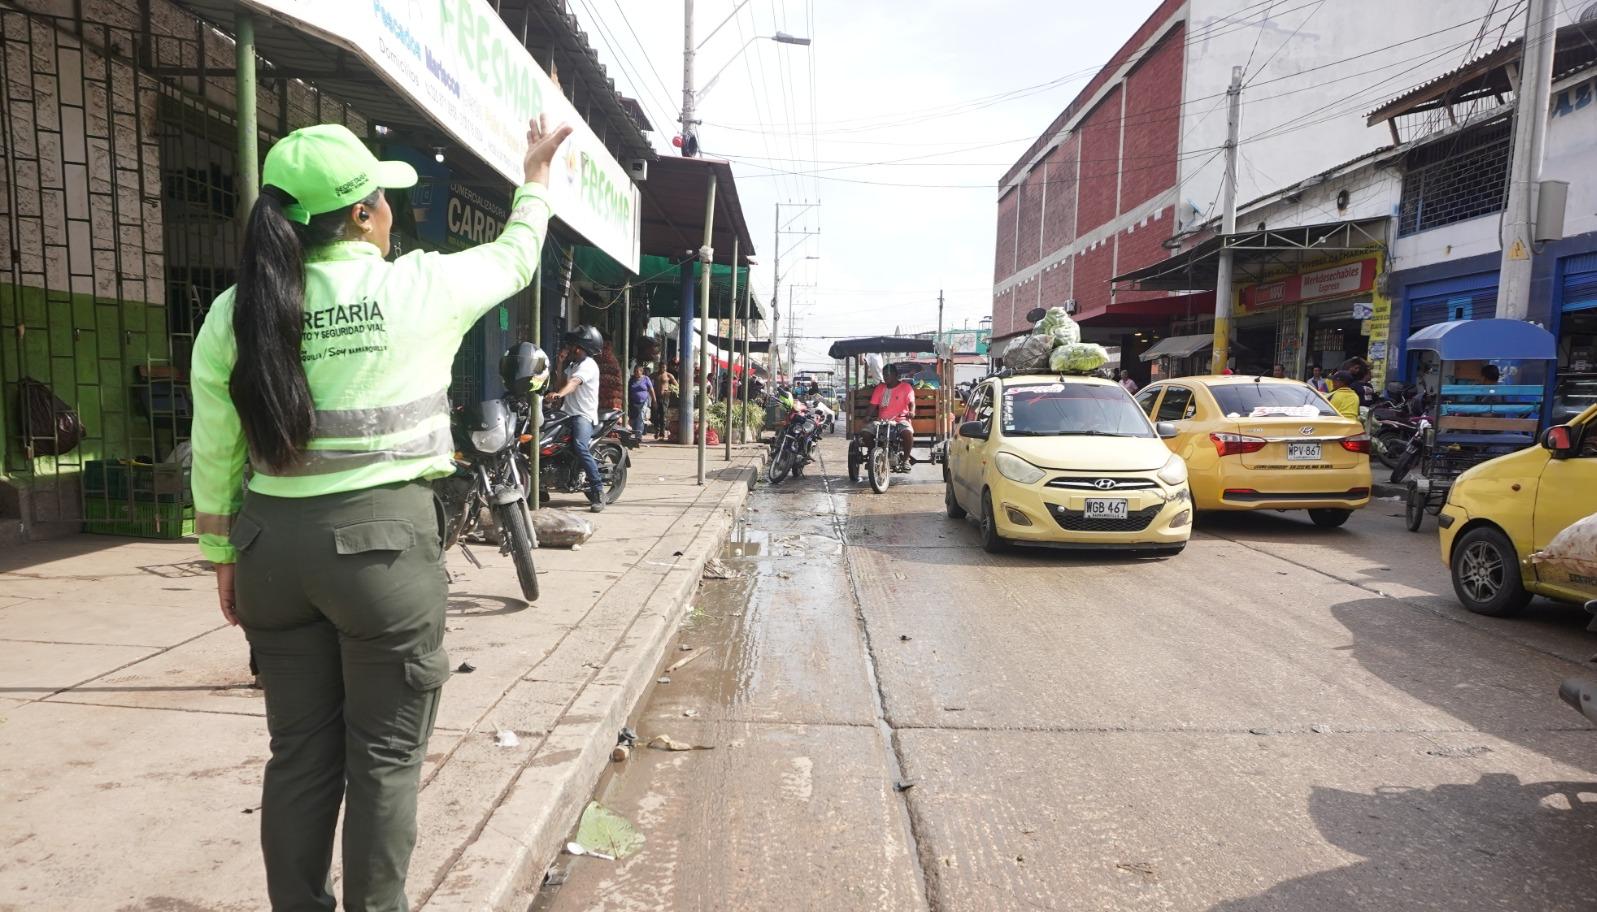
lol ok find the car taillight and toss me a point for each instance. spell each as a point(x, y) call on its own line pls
point(1236, 444)
point(1358, 443)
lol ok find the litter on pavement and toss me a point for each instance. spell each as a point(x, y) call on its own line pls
point(603, 831)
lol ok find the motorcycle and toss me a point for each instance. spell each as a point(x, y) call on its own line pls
point(1416, 451)
point(878, 448)
point(560, 470)
point(489, 478)
point(825, 417)
point(1391, 421)
point(794, 445)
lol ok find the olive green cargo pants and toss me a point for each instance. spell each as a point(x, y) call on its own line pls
point(342, 597)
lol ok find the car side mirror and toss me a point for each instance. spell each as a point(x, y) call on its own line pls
point(973, 429)
point(1166, 429)
point(1560, 440)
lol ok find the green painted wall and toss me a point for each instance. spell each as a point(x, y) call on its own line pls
point(87, 349)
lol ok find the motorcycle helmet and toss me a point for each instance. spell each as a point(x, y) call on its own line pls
point(587, 338)
point(524, 368)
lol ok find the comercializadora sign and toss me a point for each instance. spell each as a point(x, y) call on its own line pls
point(459, 62)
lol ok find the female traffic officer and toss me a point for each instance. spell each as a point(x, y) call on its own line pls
point(327, 367)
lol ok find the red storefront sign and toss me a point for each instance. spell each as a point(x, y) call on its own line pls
point(1330, 282)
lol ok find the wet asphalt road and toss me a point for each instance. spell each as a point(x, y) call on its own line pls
point(1281, 718)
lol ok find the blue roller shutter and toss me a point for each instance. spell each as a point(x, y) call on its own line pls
point(1580, 283)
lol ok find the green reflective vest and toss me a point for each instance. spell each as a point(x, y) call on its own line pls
point(379, 341)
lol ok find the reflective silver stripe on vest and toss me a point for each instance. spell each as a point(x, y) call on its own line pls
point(379, 422)
point(213, 523)
point(326, 462)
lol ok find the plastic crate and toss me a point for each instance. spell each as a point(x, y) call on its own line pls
point(165, 483)
point(105, 479)
point(138, 520)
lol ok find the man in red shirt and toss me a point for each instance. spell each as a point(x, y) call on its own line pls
point(894, 400)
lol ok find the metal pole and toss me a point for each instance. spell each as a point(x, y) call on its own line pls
point(748, 366)
point(689, 287)
point(732, 350)
point(249, 162)
point(1530, 136)
point(537, 401)
point(775, 359)
point(792, 347)
point(707, 258)
point(626, 333)
point(938, 354)
point(1228, 226)
point(688, 52)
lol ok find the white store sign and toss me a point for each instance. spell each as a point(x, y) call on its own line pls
point(458, 61)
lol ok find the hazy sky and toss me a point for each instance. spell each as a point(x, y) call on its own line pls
point(948, 92)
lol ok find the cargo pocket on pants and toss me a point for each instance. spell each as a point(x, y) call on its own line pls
point(424, 676)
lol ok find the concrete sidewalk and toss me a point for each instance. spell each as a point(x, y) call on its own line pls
point(131, 745)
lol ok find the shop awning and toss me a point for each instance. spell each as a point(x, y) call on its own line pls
point(1178, 347)
point(756, 346)
point(1149, 310)
point(1257, 256)
point(673, 209)
point(659, 286)
point(1486, 340)
point(435, 89)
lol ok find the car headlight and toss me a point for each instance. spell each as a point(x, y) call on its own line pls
point(491, 440)
point(1018, 470)
point(1174, 471)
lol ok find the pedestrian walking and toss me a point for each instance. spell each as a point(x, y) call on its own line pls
point(640, 396)
point(326, 368)
point(665, 389)
point(1344, 398)
point(1317, 380)
point(1127, 382)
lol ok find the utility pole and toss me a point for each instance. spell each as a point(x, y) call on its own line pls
point(776, 288)
point(792, 345)
point(1530, 136)
point(1228, 226)
point(939, 316)
point(688, 52)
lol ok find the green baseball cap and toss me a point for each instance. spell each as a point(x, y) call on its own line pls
point(326, 167)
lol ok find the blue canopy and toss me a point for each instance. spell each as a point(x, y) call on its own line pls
point(1486, 340)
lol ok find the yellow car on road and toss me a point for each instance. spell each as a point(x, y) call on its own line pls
point(1504, 510)
point(1258, 443)
point(1044, 459)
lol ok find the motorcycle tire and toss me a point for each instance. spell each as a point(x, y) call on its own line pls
point(880, 469)
point(1388, 447)
point(853, 463)
point(516, 527)
point(781, 464)
point(612, 461)
point(1405, 465)
point(1414, 508)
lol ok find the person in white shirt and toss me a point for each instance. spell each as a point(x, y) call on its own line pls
point(581, 395)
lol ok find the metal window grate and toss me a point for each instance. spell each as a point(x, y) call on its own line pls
point(1457, 180)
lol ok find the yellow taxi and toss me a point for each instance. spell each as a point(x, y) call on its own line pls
point(1044, 459)
point(1504, 510)
point(1259, 443)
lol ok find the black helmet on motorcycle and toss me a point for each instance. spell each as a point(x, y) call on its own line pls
point(524, 368)
point(587, 338)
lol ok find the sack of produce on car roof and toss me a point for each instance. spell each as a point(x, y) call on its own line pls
point(1028, 353)
point(1057, 325)
point(1572, 551)
point(1078, 358)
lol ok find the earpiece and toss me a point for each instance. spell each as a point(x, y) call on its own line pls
point(364, 216)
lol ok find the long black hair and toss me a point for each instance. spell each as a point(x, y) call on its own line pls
point(268, 385)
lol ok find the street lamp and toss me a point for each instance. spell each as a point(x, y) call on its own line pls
point(690, 95)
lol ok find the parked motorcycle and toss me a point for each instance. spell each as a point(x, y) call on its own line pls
point(490, 476)
point(825, 417)
point(1391, 422)
point(1416, 451)
point(794, 445)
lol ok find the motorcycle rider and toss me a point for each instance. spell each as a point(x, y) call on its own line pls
point(894, 400)
point(581, 395)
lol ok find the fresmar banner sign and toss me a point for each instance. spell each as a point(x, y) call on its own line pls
point(458, 61)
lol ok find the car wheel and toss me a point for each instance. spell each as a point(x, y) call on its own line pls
point(955, 511)
point(991, 541)
point(1485, 571)
point(1329, 519)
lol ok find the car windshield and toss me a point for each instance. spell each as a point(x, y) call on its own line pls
point(1071, 409)
point(1260, 400)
